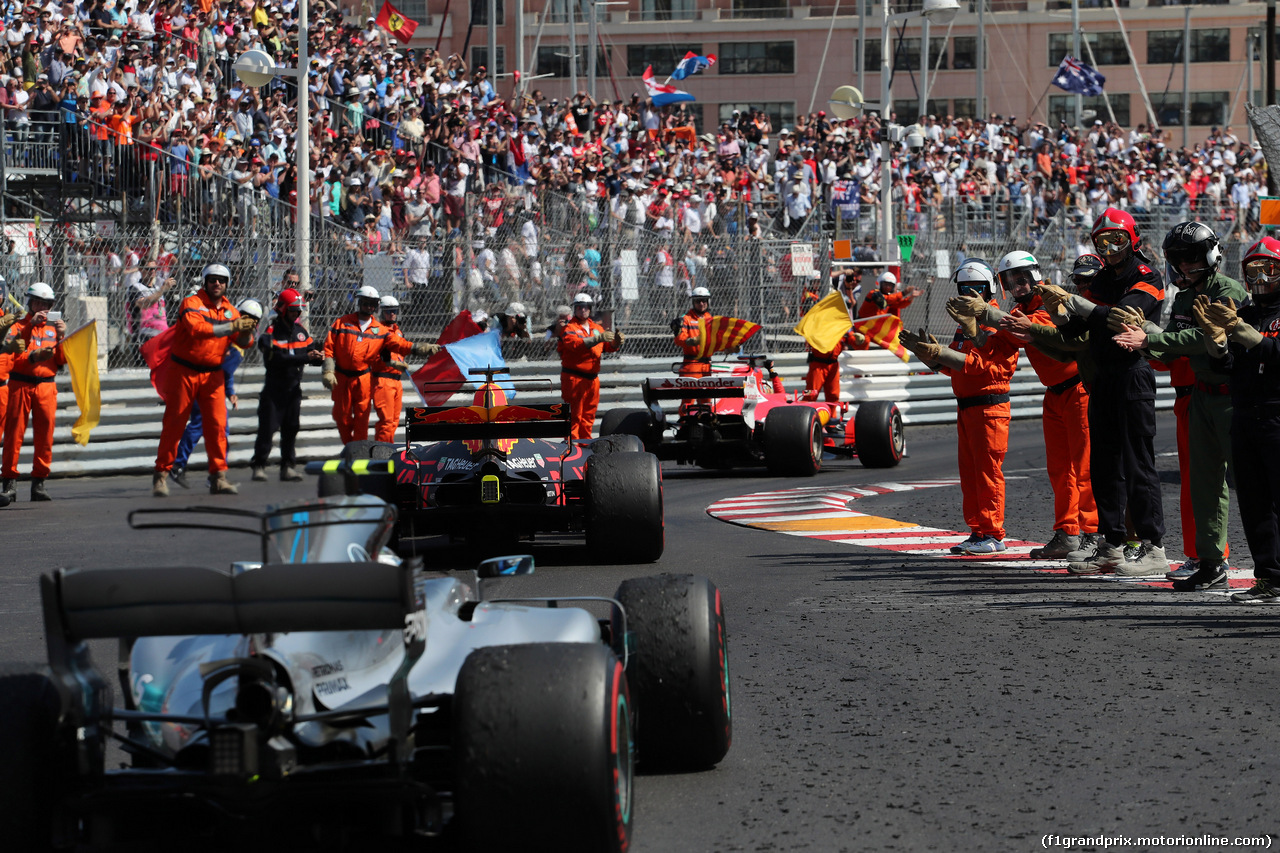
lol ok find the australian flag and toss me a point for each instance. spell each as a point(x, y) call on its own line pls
point(692, 64)
point(1078, 78)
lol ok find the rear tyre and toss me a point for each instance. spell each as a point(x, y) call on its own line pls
point(30, 774)
point(793, 441)
point(616, 443)
point(381, 485)
point(624, 508)
point(878, 434)
point(678, 668)
point(543, 748)
point(637, 422)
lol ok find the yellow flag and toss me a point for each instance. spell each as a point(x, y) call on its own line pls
point(824, 324)
point(80, 348)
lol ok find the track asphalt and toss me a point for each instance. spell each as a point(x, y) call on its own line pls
point(884, 699)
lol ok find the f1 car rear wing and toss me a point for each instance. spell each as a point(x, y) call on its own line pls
point(693, 387)
point(449, 423)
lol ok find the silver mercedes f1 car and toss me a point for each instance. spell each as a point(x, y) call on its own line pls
point(329, 691)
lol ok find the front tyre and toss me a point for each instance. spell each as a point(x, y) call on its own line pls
point(878, 434)
point(543, 749)
point(678, 667)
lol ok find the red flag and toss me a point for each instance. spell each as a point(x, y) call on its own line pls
point(391, 20)
point(440, 367)
point(156, 353)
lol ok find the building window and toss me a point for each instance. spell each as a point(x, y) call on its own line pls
point(480, 57)
point(906, 110)
point(554, 60)
point(480, 13)
point(964, 55)
point(1108, 48)
point(759, 9)
point(906, 54)
point(781, 113)
point(667, 10)
point(1211, 45)
point(965, 108)
point(937, 51)
point(1207, 108)
point(757, 57)
point(871, 55)
point(1063, 108)
point(663, 57)
point(415, 10)
point(937, 108)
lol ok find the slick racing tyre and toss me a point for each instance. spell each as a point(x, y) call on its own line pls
point(543, 749)
point(616, 443)
point(382, 485)
point(878, 435)
point(637, 422)
point(31, 772)
point(678, 667)
point(793, 441)
point(624, 508)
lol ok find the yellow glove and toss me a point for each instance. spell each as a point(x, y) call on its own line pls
point(968, 306)
point(328, 379)
point(396, 364)
point(968, 323)
point(1055, 299)
point(1223, 314)
point(1208, 325)
point(7, 320)
point(426, 349)
point(1121, 317)
point(243, 323)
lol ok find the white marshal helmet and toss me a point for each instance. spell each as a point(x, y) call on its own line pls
point(40, 290)
point(969, 275)
point(887, 277)
point(368, 292)
point(251, 308)
point(215, 269)
point(1019, 261)
point(389, 302)
point(583, 299)
point(700, 293)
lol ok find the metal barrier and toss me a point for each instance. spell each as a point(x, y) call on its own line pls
point(125, 441)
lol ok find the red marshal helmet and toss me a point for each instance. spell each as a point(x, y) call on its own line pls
point(490, 396)
point(289, 298)
point(1114, 219)
point(1261, 265)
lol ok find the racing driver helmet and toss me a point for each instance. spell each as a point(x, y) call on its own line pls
point(490, 396)
point(1115, 235)
point(1261, 266)
point(1195, 243)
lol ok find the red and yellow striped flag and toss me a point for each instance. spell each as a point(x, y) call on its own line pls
point(883, 329)
point(724, 334)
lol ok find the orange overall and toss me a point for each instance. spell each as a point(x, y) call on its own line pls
point(982, 394)
point(878, 303)
point(580, 372)
point(194, 377)
point(824, 369)
point(689, 329)
point(32, 394)
point(1066, 432)
point(354, 351)
point(6, 364)
point(388, 394)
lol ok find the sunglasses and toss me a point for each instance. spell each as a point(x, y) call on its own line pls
point(1112, 239)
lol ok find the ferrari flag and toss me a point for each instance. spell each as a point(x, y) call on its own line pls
point(80, 348)
point(824, 324)
point(883, 329)
point(391, 20)
point(724, 334)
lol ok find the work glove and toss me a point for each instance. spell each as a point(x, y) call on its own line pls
point(618, 338)
point(695, 341)
point(1213, 333)
point(426, 349)
point(39, 355)
point(968, 323)
point(859, 339)
point(15, 345)
point(923, 344)
point(396, 364)
point(1122, 316)
point(328, 379)
point(675, 326)
point(968, 306)
point(1223, 314)
point(243, 323)
point(7, 319)
point(1055, 300)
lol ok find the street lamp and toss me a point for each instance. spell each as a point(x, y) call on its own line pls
point(845, 105)
point(256, 68)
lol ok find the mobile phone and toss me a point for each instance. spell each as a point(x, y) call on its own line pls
point(53, 316)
